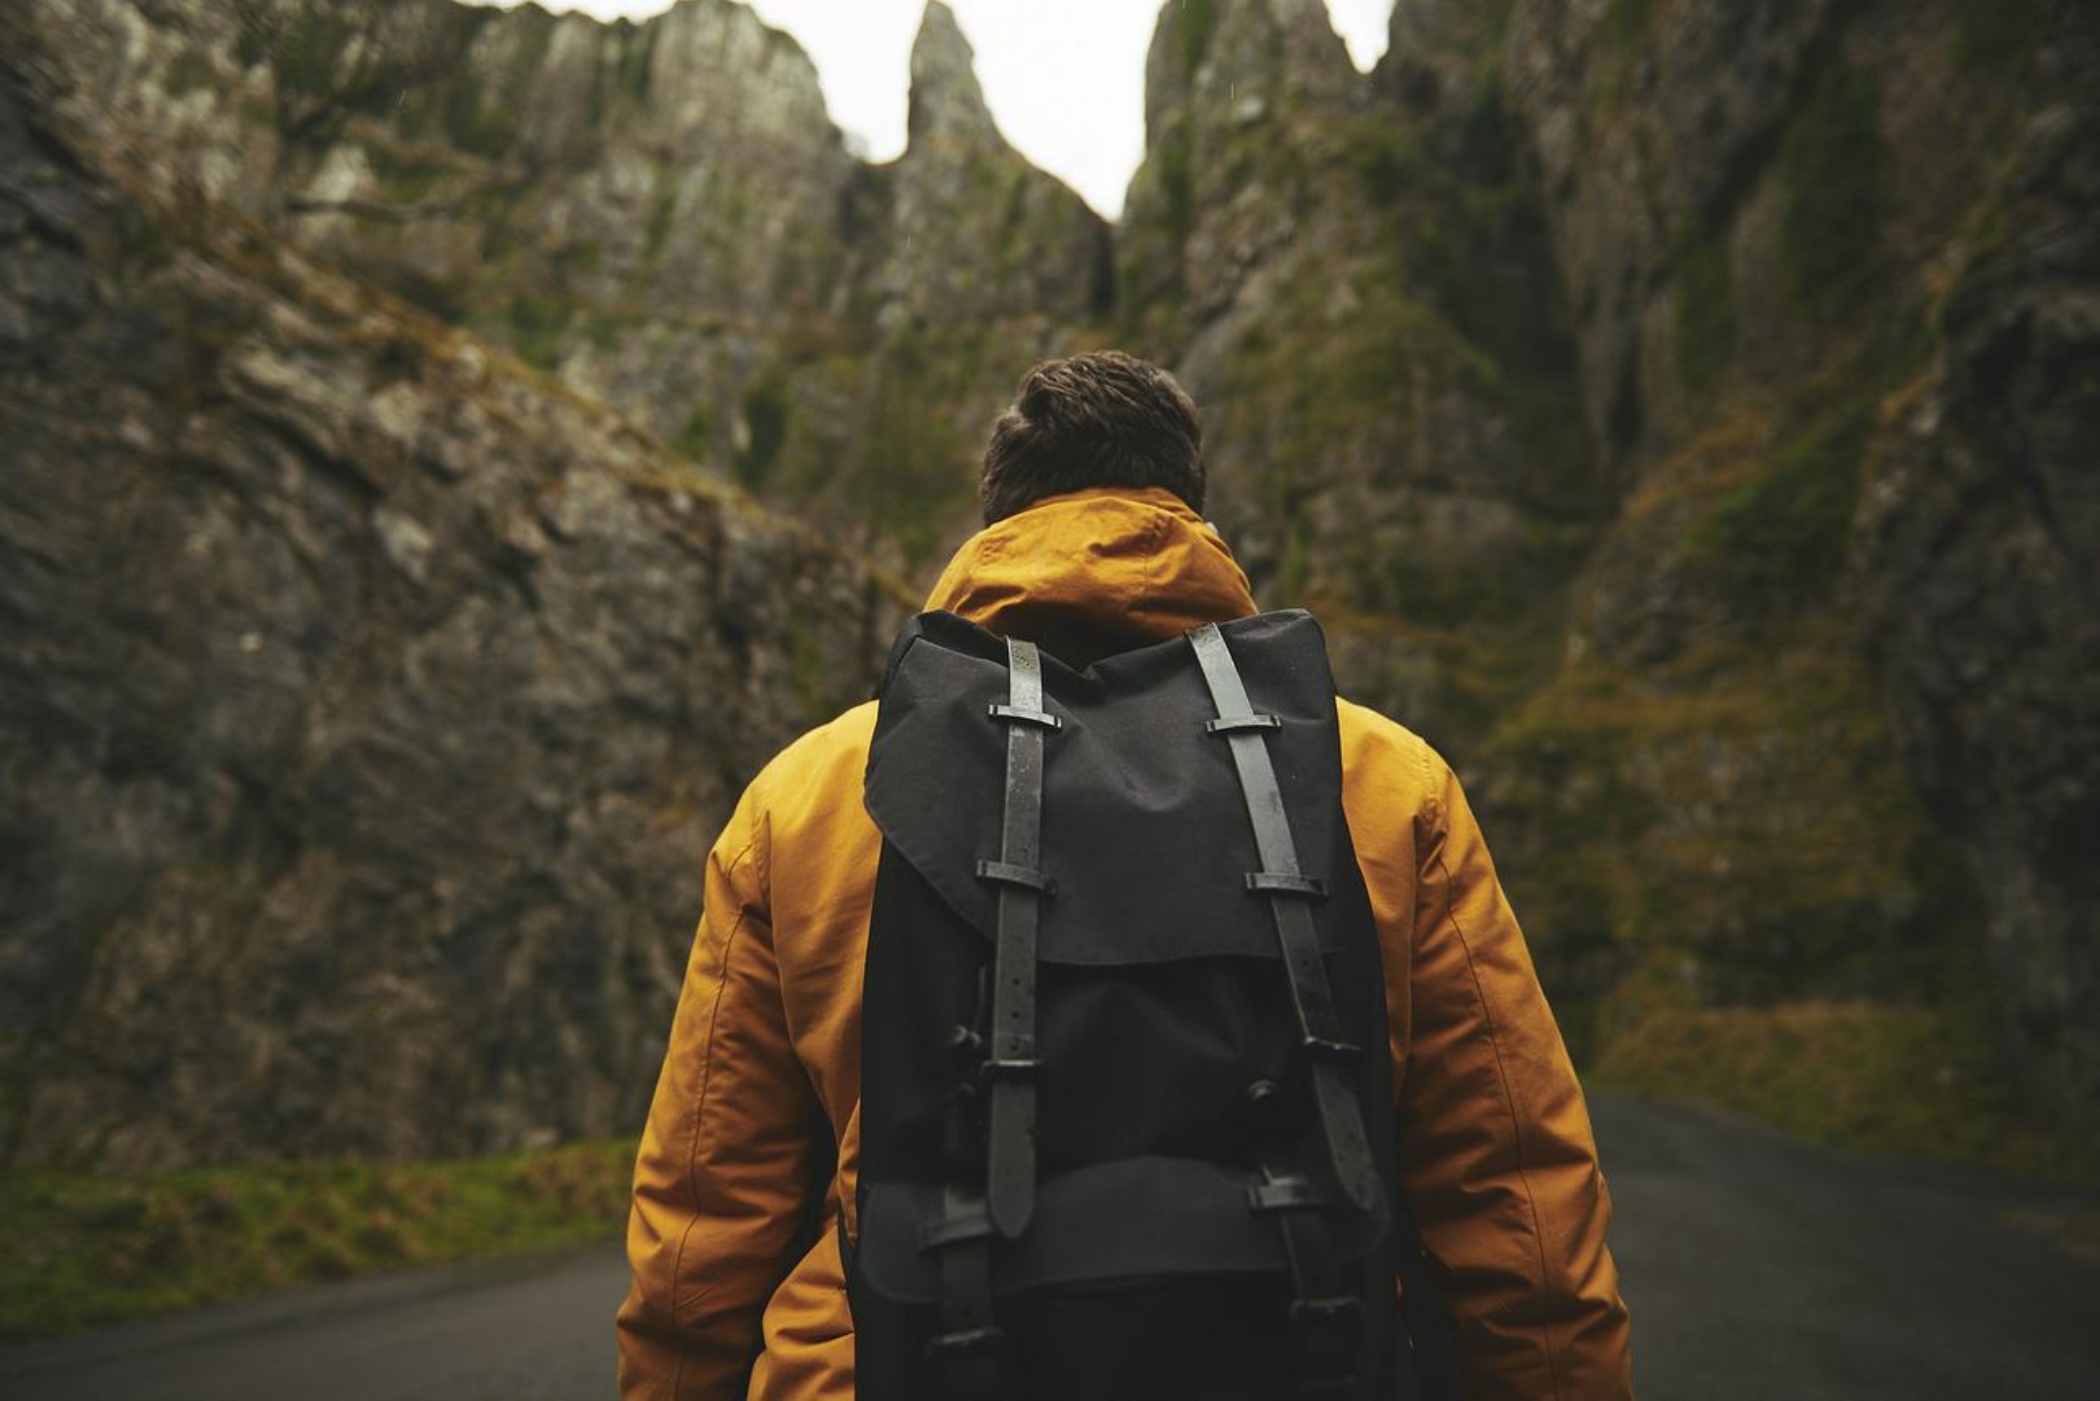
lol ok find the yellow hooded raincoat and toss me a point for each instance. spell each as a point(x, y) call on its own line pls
point(1498, 1164)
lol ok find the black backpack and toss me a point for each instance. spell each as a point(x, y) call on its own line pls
point(1126, 1125)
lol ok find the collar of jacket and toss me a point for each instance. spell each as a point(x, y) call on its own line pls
point(1095, 572)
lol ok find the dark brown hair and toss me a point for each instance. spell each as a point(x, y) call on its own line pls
point(1099, 419)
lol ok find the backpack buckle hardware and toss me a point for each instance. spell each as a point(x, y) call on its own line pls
point(1322, 1048)
point(1020, 877)
point(1010, 1067)
point(1336, 1308)
point(970, 1342)
point(1019, 716)
point(1283, 1194)
point(1234, 724)
point(1286, 883)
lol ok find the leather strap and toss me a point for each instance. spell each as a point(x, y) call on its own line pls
point(1327, 1320)
point(1011, 1064)
point(1289, 891)
point(969, 1353)
point(970, 1350)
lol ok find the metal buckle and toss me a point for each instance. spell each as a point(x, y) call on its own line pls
point(1284, 883)
point(1322, 1049)
point(1338, 1308)
point(1010, 1067)
point(1020, 877)
point(970, 1342)
point(1286, 1193)
point(1236, 724)
point(1025, 717)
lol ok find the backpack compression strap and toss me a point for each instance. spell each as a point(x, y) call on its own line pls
point(1289, 889)
point(1011, 1063)
point(970, 1349)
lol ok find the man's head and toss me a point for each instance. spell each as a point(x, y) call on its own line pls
point(1102, 419)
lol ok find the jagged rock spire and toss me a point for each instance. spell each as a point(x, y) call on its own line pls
point(947, 102)
point(1217, 52)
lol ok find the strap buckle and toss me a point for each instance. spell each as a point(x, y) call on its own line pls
point(1339, 1309)
point(966, 1344)
point(959, 1229)
point(1020, 716)
point(1020, 877)
point(1324, 1050)
point(1010, 1067)
point(1283, 1194)
point(1234, 724)
point(1286, 883)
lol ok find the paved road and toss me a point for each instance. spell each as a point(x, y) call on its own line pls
point(1756, 1268)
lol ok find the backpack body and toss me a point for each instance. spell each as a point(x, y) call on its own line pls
point(1144, 1162)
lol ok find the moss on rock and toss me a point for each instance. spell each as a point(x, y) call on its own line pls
point(1835, 175)
point(1705, 314)
point(1780, 538)
point(1916, 1079)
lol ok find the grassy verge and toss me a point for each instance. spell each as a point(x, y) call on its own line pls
point(1879, 1079)
point(85, 1249)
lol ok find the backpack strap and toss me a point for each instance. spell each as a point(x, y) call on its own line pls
point(1289, 890)
point(1011, 1063)
point(1327, 1319)
point(969, 1351)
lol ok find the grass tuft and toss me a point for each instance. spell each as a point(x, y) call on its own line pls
point(86, 1249)
point(1883, 1079)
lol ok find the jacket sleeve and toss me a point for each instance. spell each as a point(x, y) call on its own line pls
point(1498, 1162)
point(726, 1160)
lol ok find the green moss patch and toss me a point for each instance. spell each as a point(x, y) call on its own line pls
point(1705, 314)
point(1835, 176)
point(1780, 538)
point(916, 472)
point(1990, 33)
point(536, 325)
point(405, 176)
point(1730, 828)
point(1889, 1079)
point(1630, 21)
point(86, 1249)
point(1198, 23)
point(696, 436)
point(767, 410)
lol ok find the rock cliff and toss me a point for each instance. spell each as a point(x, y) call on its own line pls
point(1677, 411)
point(370, 695)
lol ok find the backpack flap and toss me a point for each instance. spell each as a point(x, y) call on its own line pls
point(1141, 804)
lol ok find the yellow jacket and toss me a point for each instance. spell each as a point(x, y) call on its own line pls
point(1498, 1165)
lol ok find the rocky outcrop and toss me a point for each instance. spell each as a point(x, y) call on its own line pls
point(369, 699)
point(1377, 448)
point(1763, 213)
point(1674, 411)
point(660, 214)
point(976, 235)
point(1982, 539)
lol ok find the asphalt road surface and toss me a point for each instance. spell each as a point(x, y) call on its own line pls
point(1756, 1267)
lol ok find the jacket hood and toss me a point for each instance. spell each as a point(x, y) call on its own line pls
point(1095, 572)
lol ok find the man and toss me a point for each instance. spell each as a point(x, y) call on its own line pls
point(1093, 486)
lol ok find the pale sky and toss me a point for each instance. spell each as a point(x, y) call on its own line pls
point(1065, 79)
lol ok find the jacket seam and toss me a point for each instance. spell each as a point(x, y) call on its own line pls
point(707, 1071)
point(1516, 1121)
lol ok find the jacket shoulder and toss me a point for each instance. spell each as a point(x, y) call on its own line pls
point(1382, 755)
point(823, 763)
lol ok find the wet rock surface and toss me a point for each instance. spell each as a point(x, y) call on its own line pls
point(369, 700)
point(1678, 413)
